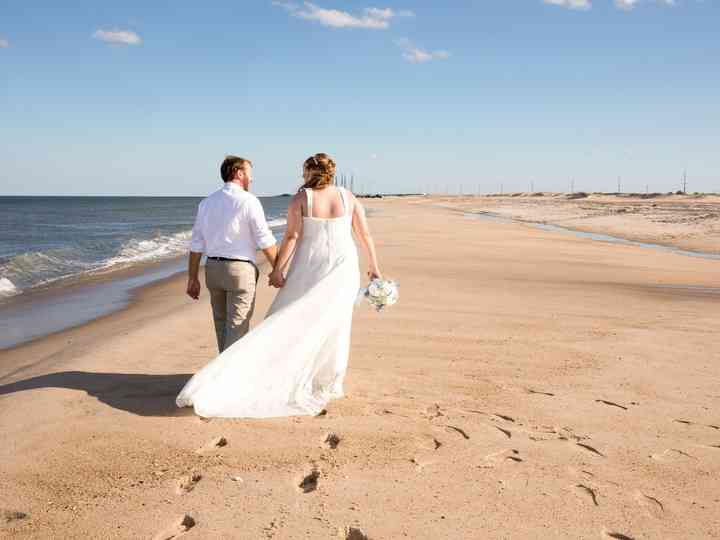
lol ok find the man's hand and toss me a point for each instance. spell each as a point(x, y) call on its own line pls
point(193, 288)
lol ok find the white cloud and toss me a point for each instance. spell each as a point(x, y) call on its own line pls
point(372, 17)
point(627, 5)
point(4, 43)
point(118, 37)
point(571, 4)
point(416, 55)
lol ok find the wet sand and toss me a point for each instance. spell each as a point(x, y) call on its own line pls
point(528, 384)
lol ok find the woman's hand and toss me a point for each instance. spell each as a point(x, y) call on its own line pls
point(374, 273)
point(277, 279)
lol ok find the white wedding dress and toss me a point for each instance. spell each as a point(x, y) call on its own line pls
point(295, 360)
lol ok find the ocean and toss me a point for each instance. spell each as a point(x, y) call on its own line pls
point(48, 244)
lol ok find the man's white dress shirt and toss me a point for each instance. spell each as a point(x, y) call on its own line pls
point(231, 223)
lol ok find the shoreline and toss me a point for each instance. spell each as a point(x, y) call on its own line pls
point(167, 273)
point(33, 301)
point(78, 303)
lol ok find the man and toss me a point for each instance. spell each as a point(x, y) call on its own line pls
point(229, 228)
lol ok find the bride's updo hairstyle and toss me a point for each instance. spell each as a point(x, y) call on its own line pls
point(322, 171)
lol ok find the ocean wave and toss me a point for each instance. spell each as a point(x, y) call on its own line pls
point(277, 222)
point(8, 288)
point(160, 247)
point(46, 267)
point(43, 268)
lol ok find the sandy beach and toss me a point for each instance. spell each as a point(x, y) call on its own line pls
point(684, 221)
point(529, 384)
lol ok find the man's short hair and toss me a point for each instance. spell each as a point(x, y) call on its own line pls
point(230, 165)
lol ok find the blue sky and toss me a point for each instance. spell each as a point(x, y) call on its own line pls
point(145, 98)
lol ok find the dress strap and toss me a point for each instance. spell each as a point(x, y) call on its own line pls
point(309, 195)
point(344, 200)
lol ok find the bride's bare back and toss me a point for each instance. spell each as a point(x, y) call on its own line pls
point(327, 204)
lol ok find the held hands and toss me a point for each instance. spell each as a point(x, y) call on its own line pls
point(193, 288)
point(276, 279)
point(374, 273)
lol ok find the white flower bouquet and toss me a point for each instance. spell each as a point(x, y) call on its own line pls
point(381, 293)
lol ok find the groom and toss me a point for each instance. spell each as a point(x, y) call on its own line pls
point(229, 228)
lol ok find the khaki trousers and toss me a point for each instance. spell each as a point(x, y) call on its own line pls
point(232, 294)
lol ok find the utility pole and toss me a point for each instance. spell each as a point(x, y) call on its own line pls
point(572, 186)
point(684, 182)
point(501, 188)
point(618, 186)
point(352, 184)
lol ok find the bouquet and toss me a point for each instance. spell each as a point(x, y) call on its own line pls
point(381, 293)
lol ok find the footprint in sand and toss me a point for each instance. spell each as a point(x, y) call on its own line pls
point(672, 454)
point(353, 533)
point(176, 528)
point(309, 482)
point(187, 483)
point(458, 430)
point(8, 516)
point(542, 393)
point(689, 423)
point(586, 492)
point(590, 449)
point(493, 460)
point(611, 404)
point(605, 534)
point(332, 440)
point(217, 442)
point(433, 411)
point(653, 506)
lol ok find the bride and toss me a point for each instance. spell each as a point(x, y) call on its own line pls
point(295, 360)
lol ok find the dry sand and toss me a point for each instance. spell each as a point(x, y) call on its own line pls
point(690, 222)
point(529, 384)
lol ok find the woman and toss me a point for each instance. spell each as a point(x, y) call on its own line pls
point(294, 362)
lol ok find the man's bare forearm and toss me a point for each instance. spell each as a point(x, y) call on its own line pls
point(194, 265)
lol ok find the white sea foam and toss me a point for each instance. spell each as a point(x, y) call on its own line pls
point(8, 288)
point(41, 269)
point(157, 248)
point(279, 222)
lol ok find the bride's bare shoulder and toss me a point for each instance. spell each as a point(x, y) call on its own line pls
point(297, 199)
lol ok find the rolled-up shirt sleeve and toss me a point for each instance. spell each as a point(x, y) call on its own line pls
point(197, 242)
point(258, 225)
